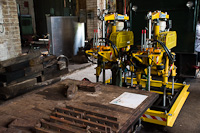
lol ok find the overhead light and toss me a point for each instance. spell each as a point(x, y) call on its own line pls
point(134, 8)
point(189, 4)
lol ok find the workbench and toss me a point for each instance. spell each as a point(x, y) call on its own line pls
point(39, 105)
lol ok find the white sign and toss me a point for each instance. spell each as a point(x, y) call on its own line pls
point(130, 100)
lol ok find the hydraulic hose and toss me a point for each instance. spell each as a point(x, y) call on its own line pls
point(171, 58)
point(86, 48)
point(112, 45)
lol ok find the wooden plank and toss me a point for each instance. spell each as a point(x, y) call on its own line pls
point(27, 77)
point(18, 66)
point(19, 75)
point(2, 70)
point(33, 69)
point(49, 58)
point(11, 76)
point(35, 61)
point(20, 59)
point(50, 63)
point(16, 89)
point(54, 74)
point(50, 69)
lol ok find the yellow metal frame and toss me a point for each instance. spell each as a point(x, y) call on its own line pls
point(169, 38)
point(122, 39)
point(157, 15)
point(112, 17)
point(172, 115)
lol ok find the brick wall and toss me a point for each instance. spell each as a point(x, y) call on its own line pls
point(10, 44)
point(92, 6)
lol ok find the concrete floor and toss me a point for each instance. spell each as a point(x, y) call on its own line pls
point(88, 73)
point(187, 121)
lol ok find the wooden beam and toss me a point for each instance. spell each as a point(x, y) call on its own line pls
point(20, 59)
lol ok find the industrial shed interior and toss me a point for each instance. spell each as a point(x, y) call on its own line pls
point(99, 66)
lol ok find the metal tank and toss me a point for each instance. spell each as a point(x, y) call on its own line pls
point(66, 35)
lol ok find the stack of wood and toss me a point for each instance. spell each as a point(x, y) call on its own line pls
point(51, 68)
point(17, 75)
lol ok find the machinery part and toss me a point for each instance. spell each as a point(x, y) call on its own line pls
point(159, 115)
point(160, 67)
point(97, 40)
point(145, 40)
point(169, 38)
point(63, 62)
point(115, 16)
point(110, 43)
point(149, 78)
point(104, 73)
point(142, 41)
point(173, 78)
point(167, 51)
point(87, 47)
point(164, 96)
point(120, 77)
point(131, 79)
point(122, 39)
point(94, 39)
point(150, 23)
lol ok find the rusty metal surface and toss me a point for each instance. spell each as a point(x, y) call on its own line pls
point(88, 86)
point(90, 110)
point(69, 120)
point(75, 112)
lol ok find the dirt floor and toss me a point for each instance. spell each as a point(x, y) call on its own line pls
point(29, 107)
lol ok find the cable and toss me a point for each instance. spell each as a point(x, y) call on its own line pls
point(166, 50)
point(86, 48)
point(112, 45)
point(109, 42)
